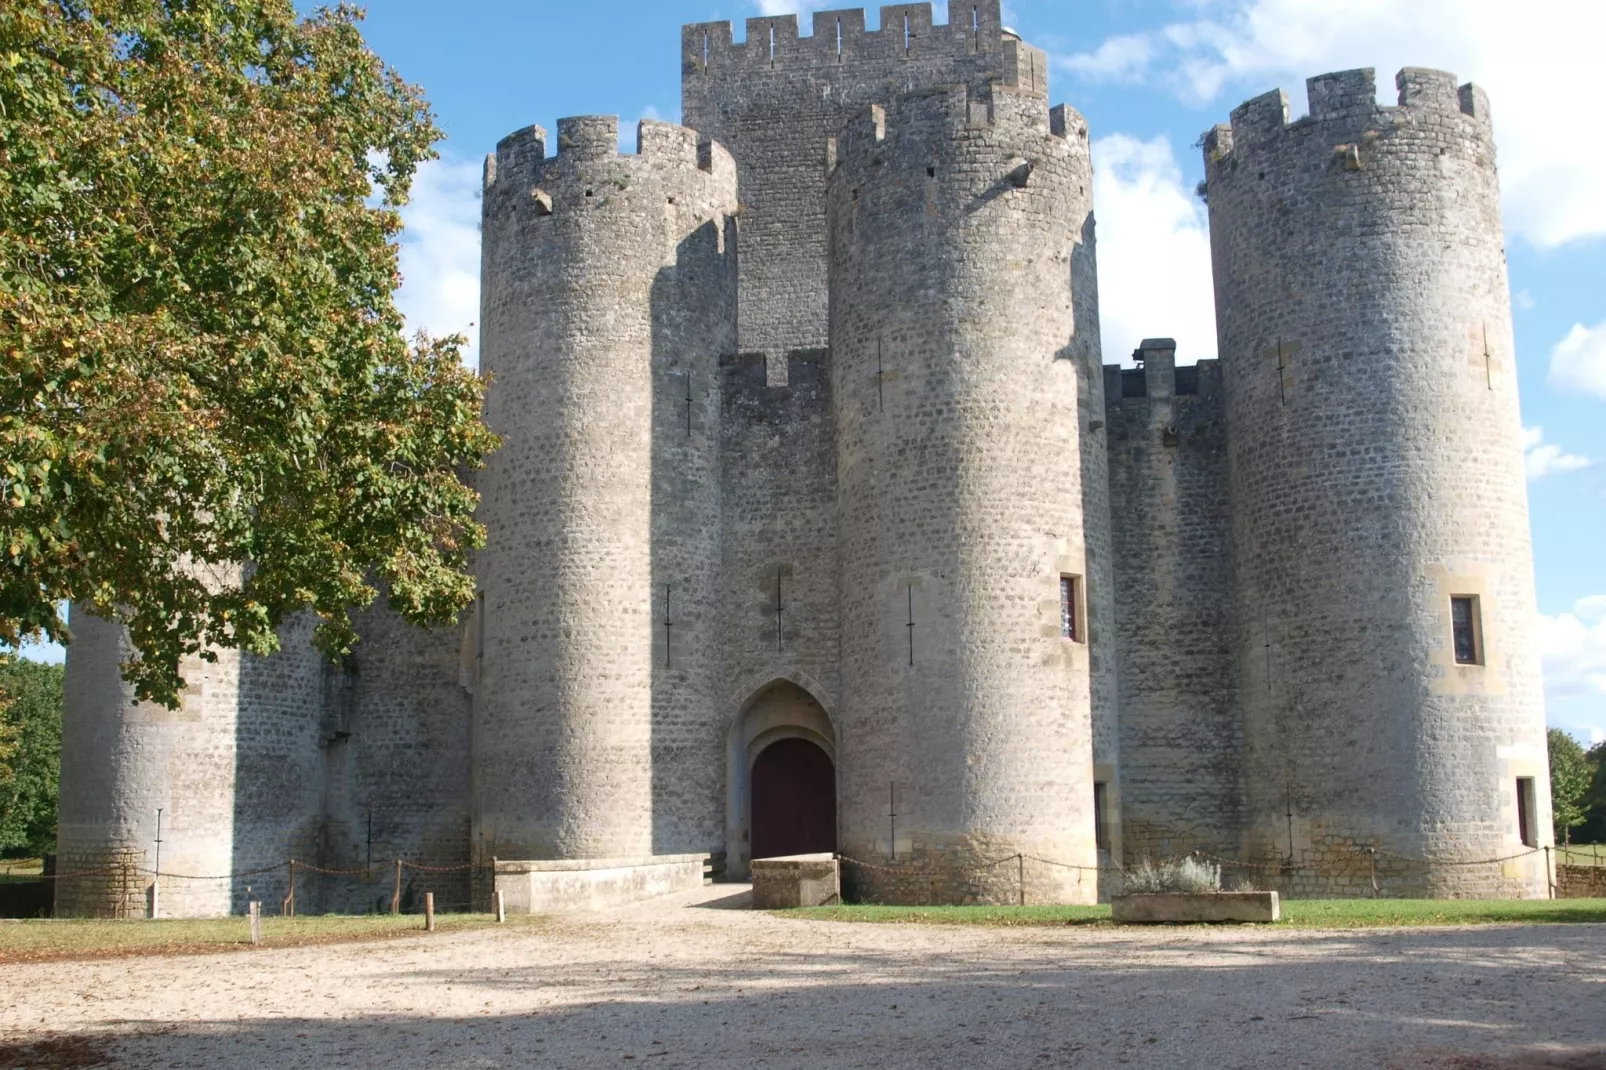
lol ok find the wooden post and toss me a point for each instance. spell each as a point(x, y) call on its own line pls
point(1372, 854)
point(1550, 875)
point(501, 907)
point(1020, 866)
point(395, 895)
point(429, 912)
point(254, 909)
point(290, 897)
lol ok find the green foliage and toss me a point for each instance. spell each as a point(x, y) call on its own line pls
point(203, 363)
point(1593, 829)
point(30, 756)
point(1570, 774)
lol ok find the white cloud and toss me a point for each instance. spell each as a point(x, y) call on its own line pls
point(440, 251)
point(1543, 458)
point(1574, 649)
point(1153, 251)
point(1535, 61)
point(1118, 59)
point(1523, 300)
point(1578, 362)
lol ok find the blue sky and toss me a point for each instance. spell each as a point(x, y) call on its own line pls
point(1150, 76)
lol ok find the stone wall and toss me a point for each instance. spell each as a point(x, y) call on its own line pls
point(779, 532)
point(608, 296)
point(958, 392)
point(394, 748)
point(1580, 882)
point(1181, 785)
point(1376, 471)
point(775, 98)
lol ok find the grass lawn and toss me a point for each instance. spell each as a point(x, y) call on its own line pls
point(1594, 855)
point(1297, 913)
point(44, 940)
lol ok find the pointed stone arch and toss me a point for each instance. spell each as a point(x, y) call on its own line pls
point(780, 709)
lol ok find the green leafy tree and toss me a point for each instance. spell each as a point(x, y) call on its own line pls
point(30, 722)
point(209, 415)
point(1593, 829)
point(1570, 774)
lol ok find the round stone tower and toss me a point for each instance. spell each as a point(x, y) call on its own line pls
point(966, 378)
point(1387, 664)
point(233, 770)
point(608, 295)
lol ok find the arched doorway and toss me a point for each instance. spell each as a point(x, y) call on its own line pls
point(794, 799)
point(782, 711)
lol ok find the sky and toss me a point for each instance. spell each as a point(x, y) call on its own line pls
point(1150, 76)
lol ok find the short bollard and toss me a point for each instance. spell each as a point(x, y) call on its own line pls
point(429, 912)
point(153, 900)
point(501, 907)
point(255, 911)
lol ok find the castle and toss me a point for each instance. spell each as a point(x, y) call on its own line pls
point(822, 525)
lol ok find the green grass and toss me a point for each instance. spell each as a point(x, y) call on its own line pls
point(1297, 913)
point(21, 869)
point(1582, 856)
point(43, 940)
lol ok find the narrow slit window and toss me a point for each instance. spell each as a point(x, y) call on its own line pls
point(906, 35)
point(1525, 812)
point(1071, 623)
point(1466, 628)
point(1101, 811)
point(839, 38)
point(772, 44)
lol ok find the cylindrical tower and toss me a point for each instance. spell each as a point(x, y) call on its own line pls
point(233, 770)
point(963, 376)
point(121, 761)
point(608, 293)
point(1387, 665)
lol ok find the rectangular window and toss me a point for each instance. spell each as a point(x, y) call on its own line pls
point(1071, 625)
point(1466, 630)
point(1525, 812)
point(1101, 834)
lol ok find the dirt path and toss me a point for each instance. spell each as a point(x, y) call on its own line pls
point(678, 984)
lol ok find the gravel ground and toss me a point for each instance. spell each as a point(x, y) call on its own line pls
point(687, 982)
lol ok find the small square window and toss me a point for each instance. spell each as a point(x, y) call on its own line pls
point(1466, 629)
point(1525, 812)
point(1071, 609)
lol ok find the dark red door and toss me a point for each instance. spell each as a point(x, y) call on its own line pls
point(794, 800)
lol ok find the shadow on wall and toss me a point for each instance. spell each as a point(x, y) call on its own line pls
point(693, 317)
point(1355, 999)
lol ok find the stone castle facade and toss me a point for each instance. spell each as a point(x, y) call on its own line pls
point(813, 468)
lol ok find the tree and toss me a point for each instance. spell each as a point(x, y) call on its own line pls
point(1570, 774)
point(209, 416)
point(30, 718)
point(1594, 805)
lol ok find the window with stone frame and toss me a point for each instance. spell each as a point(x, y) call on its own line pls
point(1072, 625)
point(1466, 629)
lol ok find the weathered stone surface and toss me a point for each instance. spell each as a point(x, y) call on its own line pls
point(594, 883)
point(1186, 907)
point(1580, 882)
point(796, 881)
point(1375, 470)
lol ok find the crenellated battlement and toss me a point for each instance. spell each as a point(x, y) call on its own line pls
point(521, 159)
point(907, 31)
point(867, 135)
point(1346, 102)
point(841, 40)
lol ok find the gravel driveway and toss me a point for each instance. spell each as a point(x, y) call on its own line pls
point(688, 982)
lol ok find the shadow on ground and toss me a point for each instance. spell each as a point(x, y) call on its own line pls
point(1478, 999)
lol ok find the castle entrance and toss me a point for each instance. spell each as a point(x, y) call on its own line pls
point(781, 778)
point(794, 800)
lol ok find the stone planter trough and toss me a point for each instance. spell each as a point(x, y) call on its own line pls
point(796, 881)
point(1184, 907)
